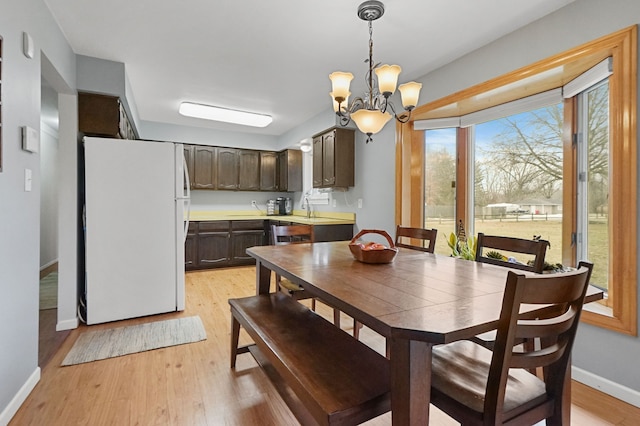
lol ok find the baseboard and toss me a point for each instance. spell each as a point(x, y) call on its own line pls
point(623, 393)
point(10, 410)
point(69, 324)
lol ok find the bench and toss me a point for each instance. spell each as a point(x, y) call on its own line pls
point(321, 372)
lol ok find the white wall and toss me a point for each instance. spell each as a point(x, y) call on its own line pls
point(48, 195)
point(20, 210)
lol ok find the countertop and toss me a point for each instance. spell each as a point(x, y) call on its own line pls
point(298, 216)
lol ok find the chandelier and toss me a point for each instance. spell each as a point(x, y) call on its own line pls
point(371, 112)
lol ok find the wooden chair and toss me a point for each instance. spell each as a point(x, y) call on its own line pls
point(477, 386)
point(536, 248)
point(296, 234)
point(428, 235)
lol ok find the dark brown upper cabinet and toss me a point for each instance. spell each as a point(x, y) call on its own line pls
point(268, 171)
point(204, 173)
point(249, 170)
point(290, 170)
point(334, 158)
point(227, 168)
point(103, 115)
point(189, 158)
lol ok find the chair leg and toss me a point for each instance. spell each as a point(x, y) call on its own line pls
point(356, 329)
point(313, 304)
point(235, 337)
point(336, 317)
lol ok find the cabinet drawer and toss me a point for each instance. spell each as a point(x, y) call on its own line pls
point(247, 224)
point(217, 225)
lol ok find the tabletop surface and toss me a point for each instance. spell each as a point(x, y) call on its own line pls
point(420, 296)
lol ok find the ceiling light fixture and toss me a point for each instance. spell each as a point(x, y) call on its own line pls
point(370, 113)
point(226, 115)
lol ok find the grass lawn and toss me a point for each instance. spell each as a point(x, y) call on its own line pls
point(550, 230)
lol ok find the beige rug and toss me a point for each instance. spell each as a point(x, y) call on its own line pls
point(49, 291)
point(113, 342)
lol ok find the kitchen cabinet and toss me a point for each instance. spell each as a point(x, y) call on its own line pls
point(290, 170)
point(213, 242)
point(191, 247)
point(227, 168)
point(334, 158)
point(248, 170)
point(245, 234)
point(204, 172)
point(268, 171)
point(189, 158)
point(222, 243)
point(103, 115)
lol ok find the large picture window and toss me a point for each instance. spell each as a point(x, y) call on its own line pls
point(549, 159)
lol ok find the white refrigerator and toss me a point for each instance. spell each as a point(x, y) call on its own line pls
point(135, 220)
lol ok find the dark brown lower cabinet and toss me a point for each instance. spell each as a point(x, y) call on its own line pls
point(222, 243)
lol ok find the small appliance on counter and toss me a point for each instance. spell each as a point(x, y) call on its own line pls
point(271, 208)
point(288, 206)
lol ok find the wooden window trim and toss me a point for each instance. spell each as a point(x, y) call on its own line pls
point(622, 46)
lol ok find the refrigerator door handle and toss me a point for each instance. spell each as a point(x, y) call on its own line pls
point(187, 196)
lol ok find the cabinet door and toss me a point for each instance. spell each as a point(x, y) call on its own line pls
point(328, 159)
point(191, 247)
point(249, 170)
point(189, 152)
point(213, 249)
point(317, 162)
point(204, 176)
point(268, 171)
point(227, 170)
point(241, 241)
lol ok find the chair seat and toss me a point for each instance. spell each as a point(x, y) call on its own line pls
point(461, 370)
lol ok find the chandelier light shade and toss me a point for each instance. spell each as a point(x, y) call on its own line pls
point(371, 112)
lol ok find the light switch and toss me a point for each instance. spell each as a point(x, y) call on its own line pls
point(28, 180)
point(30, 139)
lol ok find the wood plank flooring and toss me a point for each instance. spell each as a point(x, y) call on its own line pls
point(193, 384)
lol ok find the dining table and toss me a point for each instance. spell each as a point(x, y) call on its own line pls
point(416, 301)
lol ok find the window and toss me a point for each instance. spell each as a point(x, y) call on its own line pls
point(529, 163)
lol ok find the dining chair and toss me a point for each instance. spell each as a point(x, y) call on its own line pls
point(296, 234)
point(477, 386)
point(427, 235)
point(535, 248)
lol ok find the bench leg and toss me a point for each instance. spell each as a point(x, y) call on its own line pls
point(336, 317)
point(235, 337)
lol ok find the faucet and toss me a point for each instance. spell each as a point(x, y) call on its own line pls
point(307, 206)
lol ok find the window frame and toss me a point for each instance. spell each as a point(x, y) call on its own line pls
point(622, 47)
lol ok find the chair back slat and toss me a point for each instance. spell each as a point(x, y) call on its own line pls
point(426, 235)
point(535, 248)
point(291, 234)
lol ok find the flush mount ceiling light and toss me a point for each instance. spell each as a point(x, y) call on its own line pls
point(226, 115)
point(370, 113)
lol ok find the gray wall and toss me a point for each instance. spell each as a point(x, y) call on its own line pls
point(20, 210)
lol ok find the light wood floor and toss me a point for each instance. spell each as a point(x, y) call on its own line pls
point(193, 384)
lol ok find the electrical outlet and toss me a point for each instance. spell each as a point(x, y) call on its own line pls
point(334, 202)
point(253, 203)
point(359, 203)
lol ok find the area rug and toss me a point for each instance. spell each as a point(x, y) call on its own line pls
point(49, 291)
point(113, 342)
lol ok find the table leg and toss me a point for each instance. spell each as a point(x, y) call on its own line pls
point(263, 279)
point(410, 381)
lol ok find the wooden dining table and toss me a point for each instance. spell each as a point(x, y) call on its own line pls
point(417, 301)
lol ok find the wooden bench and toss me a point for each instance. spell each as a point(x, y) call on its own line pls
point(335, 379)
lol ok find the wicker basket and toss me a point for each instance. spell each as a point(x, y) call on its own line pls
point(373, 256)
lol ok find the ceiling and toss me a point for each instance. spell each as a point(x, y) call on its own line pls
point(274, 57)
